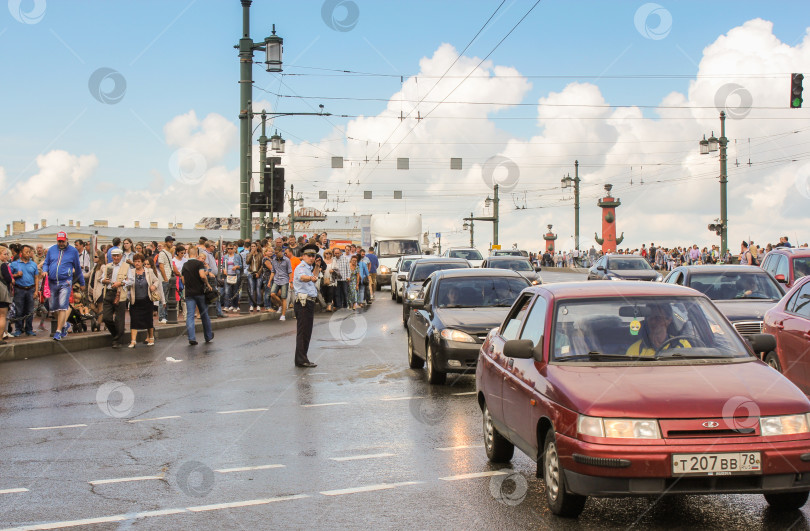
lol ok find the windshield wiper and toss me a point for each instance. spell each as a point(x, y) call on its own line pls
point(755, 297)
point(687, 356)
point(598, 356)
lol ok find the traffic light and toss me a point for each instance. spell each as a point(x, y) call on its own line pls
point(259, 202)
point(278, 190)
point(796, 91)
point(717, 228)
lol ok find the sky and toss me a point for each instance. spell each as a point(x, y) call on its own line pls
point(128, 111)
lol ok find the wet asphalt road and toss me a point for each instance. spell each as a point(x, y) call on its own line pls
point(231, 435)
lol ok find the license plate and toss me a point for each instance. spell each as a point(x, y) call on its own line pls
point(725, 464)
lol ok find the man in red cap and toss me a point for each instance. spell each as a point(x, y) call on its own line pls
point(61, 264)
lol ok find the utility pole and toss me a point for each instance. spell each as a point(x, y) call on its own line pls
point(273, 47)
point(262, 162)
point(710, 146)
point(292, 210)
point(469, 223)
point(723, 185)
point(493, 218)
point(566, 182)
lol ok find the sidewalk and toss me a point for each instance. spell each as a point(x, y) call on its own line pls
point(42, 344)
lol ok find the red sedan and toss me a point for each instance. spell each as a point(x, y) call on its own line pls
point(789, 322)
point(631, 389)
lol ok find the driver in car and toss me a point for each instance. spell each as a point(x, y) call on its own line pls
point(655, 333)
point(452, 297)
point(745, 287)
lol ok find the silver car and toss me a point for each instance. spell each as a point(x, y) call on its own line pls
point(400, 272)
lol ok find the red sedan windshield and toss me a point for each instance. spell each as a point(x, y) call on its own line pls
point(642, 329)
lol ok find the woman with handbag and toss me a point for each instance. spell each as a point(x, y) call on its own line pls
point(354, 283)
point(143, 294)
point(233, 266)
point(96, 289)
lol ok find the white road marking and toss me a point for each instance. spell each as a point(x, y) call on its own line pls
point(74, 523)
point(246, 468)
point(392, 399)
point(159, 512)
point(156, 418)
point(60, 427)
point(462, 447)
point(123, 480)
point(326, 404)
point(369, 488)
point(246, 503)
point(467, 393)
point(13, 491)
point(242, 411)
point(474, 475)
point(357, 457)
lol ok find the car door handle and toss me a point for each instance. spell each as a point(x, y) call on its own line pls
point(779, 326)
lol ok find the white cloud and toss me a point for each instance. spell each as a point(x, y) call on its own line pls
point(59, 175)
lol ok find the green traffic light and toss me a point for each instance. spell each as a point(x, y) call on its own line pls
point(796, 103)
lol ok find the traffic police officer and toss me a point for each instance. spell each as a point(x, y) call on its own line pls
point(306, 294)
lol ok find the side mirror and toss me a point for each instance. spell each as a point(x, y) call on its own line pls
point(781, 278)
point(537, 269)
point(762, 342)
point(417, 303)
point(600, 268)
point(519, 348)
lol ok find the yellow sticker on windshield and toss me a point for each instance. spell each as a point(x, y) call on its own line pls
point(635, 326)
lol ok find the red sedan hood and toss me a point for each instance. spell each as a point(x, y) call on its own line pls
point(675, 391)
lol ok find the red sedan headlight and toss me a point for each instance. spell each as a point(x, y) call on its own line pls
point(618, 428)
point(784, 425)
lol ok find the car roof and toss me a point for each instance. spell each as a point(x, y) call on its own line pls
point(508, 257)
point(722, 269)
point(412, 256)
point(792, 251)
point(477, 272)
point(617, 255)
point(585, 289)
point(461, 249)
point(444, 260)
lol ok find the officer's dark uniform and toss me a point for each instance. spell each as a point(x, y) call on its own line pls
point(304, 313)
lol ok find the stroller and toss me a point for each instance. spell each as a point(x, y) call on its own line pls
point(80, 312)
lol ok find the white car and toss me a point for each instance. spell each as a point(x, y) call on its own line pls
point(400, 272)
point(471, 254)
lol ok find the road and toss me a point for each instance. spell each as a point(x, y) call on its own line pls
point(232, 435)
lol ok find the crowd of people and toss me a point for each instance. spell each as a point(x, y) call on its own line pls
point(664, 258)
point(82, 287)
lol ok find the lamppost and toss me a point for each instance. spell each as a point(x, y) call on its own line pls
point(710, 146)
point(469, 223)
point(494, 218)
point(273, 47)
point(566, 183)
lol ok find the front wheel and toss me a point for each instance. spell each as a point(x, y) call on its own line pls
point(393, 293)
point(498, 447)
point(773, 361)
point(560, 502)
point(434, 375)
point(414, 361)
point(787, 501)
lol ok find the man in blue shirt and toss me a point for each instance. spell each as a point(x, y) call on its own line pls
point(306, 294)
point(116, 242)
point(60, 264)
point(25, 272)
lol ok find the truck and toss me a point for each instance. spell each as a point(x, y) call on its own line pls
point(394, 235)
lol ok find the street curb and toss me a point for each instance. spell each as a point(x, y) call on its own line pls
point(91, 340)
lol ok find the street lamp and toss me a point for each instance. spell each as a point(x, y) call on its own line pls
point(565, 183)
point(710, 146)
point(274, 46)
